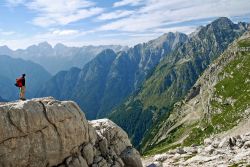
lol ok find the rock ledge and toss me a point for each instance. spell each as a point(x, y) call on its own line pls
point(45, 132)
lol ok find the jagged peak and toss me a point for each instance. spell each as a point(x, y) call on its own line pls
point(40, 45)
point(167, 37)
point(222, 20)
point(197, 30)
point(44, 44)
point(218, 26)
point(5, 47)
point(107, 52)
point(105, 55)
point(59, 46)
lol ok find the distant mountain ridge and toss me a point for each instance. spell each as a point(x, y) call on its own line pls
point(172, 79)
point(108, 79)
point(59, 57)
point(12, 68)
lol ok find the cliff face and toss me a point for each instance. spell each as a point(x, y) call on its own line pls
point(46, 132)
point(218, 103)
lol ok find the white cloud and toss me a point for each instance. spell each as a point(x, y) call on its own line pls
point(127, 2)
point(60, 34)
point(6, 33)
point(65, 32)
point(58, 6)
point(183, 29)
point(62, 12)
point(59, 12)
point(158, 13)
point(115, 15)
point(13, 3)
point(136, 22)
point(51, 19)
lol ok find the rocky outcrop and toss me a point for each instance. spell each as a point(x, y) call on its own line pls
point(227, 151)
point(45, 132)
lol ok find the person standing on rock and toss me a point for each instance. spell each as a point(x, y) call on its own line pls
point(20, 82)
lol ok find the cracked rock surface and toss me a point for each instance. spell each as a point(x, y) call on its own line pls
point(45, 132)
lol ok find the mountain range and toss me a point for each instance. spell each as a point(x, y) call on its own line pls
point(60, 57)
point(103, 83)
point(173, 77)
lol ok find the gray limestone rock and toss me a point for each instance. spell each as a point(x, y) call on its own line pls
point(40, 132)
point(88, 153)
point(131, 157)
point(45, 132)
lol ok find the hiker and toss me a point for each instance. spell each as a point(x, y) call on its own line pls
point(20, 82)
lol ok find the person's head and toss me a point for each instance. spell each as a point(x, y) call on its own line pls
point(23, 75)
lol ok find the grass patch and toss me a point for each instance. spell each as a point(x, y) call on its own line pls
point(238, 164)
point(244, 43)
point(173, 136)
point(234, 92)
point(197, 135)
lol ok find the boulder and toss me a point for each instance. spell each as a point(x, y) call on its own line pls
point(88, 153)
point(92, 135)
point(40, 132)
point(232, 141)
point(209, 149)
point(78, 161)
point(114, 144)
point(191, 150)
point(224, 143)
point(116, 138)
point(131, 157)
point(160, 157)
point(180, 151)
point(246, 138)
point(103, 145)
point(247, 144)
point(155, 164)
point(216, 143)
point(207, 141)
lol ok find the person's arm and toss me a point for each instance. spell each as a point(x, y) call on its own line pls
point(23, 82)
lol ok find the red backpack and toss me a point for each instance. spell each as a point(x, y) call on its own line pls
point(19, 82)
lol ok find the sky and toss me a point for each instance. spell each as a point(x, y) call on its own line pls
point(103, 22)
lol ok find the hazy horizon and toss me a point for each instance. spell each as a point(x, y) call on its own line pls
point(114, 22)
